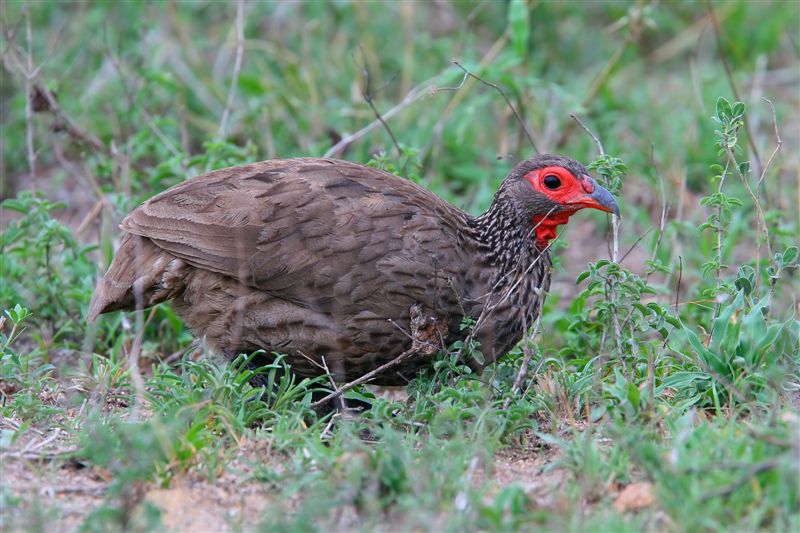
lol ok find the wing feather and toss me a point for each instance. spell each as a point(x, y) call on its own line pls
point(331, 228)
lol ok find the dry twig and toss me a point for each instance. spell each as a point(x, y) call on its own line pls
point(594, 138)
point(614, 218)
point(438, 128)
point(237, 67)
point(366, 377)
point(528, 354)
point(778, 141)
point(664, 210)
point(505, 97)
point(369, 97)
point(413, 95)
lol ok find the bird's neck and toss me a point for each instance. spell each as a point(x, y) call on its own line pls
point(504, 235)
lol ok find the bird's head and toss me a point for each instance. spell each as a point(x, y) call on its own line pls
point(548, 189)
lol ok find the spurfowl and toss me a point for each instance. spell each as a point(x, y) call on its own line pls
point(321, 258)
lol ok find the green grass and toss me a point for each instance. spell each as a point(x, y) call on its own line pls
point(676, 365)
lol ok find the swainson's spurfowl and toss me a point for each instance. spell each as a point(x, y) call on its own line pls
point(321, 258)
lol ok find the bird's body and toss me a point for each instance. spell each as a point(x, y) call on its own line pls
point(323, 260)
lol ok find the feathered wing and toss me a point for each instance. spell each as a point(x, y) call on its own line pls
point(325, 234)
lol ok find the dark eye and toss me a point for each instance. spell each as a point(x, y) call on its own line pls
point(552, 181)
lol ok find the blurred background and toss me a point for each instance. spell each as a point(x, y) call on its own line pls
point(151, 93)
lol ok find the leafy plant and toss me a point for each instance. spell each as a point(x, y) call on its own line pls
point(44, 266)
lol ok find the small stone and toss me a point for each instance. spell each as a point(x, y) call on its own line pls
point(635, 497)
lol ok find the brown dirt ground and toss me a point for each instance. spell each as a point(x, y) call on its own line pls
point(57, 491)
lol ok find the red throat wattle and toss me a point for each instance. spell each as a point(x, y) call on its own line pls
point(546, 226)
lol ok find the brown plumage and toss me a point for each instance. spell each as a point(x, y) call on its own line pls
point(322, 258)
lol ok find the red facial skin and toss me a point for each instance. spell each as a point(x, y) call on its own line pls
point(573, 194)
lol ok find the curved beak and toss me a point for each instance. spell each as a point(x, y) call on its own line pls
point(596, 197)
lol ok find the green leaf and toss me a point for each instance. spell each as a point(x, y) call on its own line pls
point(519, 26)
point(744, 285)
point(680, 380)
point(634, 395)
point(723, 108)
point(705, 355)
point(582, 276)
point(478, 357)
point(744, 167)
point(746, 278)
point(790, 255)
point(724, 324)
point(14, 205)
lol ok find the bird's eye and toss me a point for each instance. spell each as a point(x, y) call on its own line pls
point(552, 181)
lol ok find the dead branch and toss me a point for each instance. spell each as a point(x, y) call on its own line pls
point(328, 372)
point(135, 351)
point(453, 89)
point(39, 456)
point(13, 62)
point(130, 93)
point(635, 25)
point(635, 244)
point(759, 210)
point(461, 502)
point(527, 355)
point(614, 249)
point(678, 285)
point(617, 328)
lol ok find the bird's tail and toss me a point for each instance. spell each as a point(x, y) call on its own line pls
point(141, 275)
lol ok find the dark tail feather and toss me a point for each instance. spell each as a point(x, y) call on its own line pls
point(140, 276)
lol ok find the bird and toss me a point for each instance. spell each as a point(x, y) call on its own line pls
point(343, 268)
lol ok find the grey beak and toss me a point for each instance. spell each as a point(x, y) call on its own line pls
point(605, 200)
point(595, 197)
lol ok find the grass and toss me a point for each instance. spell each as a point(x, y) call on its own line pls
point(670, 369)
